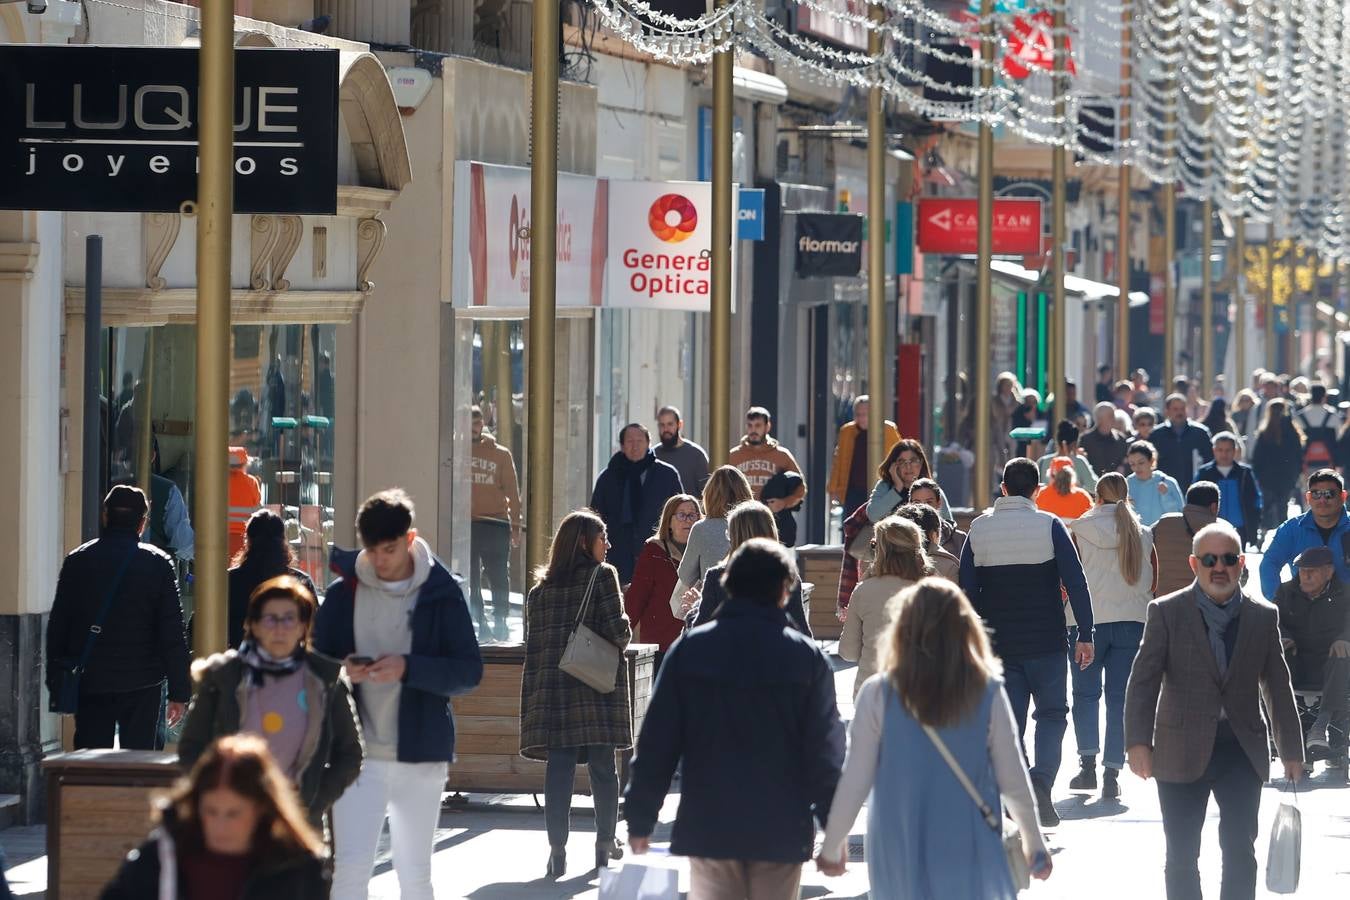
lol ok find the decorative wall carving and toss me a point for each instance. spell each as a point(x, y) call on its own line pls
point(160, 233)
point(370, 235)
point(289, 231)
point(263, 234)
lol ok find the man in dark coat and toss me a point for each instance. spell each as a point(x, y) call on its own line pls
point(1315, 632)
point(1239, 494)
point(746, 705)
point(142, 641)
point(1182, 445)
point(629, 496)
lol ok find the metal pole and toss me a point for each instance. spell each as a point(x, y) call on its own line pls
point(980, 384)
point(543, 282)
point(1240, 304)
point(1123, 198)
point(719, 357)
point(215, 210)
point(876, 259)
point(1058, 230)
point(1206, 298)
point(90, 501)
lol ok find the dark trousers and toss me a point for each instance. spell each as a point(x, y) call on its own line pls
point(133, 716)
point(558, 778)
point(1045, 680)
point(490, 556)
point(1236, 787)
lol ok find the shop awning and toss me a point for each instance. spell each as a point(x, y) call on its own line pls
point(1085, 288)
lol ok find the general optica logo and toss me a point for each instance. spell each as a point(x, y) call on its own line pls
point(513, 237)
point(672, 218)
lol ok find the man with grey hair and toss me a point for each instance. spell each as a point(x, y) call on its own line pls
point(1193, 713)
point(1239, 494)
point(1104, 445)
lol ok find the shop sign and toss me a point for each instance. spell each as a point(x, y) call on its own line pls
point(750, 215)
point(492, 243)
point(952, 226)
point(829, 245)
point(660, 245)
point(115, 129)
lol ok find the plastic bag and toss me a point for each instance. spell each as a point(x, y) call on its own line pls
point(638, 881)
point(1286, 850)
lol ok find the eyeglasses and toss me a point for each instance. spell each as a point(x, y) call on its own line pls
point(287, 621)
point(1325, 494)
point(687, 517)
point(908, 461)
point(1209, 560)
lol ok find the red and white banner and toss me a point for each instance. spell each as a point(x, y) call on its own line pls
point(952, 225)
point(660, 245)
point(491, 237)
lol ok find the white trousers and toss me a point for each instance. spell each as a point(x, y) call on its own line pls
point(410, 793)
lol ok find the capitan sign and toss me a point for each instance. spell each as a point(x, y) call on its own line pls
point(115, 129)
point(952, 225)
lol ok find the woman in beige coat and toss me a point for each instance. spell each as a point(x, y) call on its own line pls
point(899, 561)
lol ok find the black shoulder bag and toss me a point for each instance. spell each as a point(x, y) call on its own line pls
point(65, 684)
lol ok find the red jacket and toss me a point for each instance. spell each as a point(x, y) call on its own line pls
point(648, 600)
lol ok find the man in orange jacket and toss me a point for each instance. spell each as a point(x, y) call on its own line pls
point(245, 497)
point(850, 478)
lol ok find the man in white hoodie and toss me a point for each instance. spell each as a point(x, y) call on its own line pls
point(408, 646)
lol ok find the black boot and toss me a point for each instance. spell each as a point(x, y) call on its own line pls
point(1045, 807)
point(1111, 784)
point(1086, 779)
point(557, 862)
point(603, 849)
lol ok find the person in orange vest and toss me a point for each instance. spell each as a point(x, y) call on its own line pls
point(245, 497)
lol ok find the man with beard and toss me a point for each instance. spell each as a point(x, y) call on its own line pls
point(629, 496)
point(766, 463)
point(850, 479)
point(494, 529)
point(688, 458)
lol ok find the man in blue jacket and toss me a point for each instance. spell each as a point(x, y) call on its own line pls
point(1325, 524)
point(629, 496)
point(1239, 494)
point(408, 646)
point(748, 703)
point(1013, 565)
point(1182, 445)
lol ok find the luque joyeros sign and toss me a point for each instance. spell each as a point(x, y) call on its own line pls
point(115, 129)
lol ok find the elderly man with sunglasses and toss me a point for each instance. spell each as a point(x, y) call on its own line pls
point(1211, 655)
point(1325, 524)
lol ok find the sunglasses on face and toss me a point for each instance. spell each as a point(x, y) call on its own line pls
point(1325, 494)
point(1209, 560)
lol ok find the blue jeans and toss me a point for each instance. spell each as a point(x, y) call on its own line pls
point(1044, 679)
point(558, 777)
point(1115, 645)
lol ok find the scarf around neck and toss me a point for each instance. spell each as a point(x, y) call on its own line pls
point(1218, 619)
point(632, 474)
point(260, 663)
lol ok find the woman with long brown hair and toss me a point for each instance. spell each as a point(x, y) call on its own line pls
point(656, 573)
point(1122, 571)
point(275, 685)
point(232, 827)
point(1277, 461)
point(563, 721)
point(939, 687)
point(900, 561)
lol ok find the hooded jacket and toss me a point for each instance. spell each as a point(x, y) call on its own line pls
point(632, 519)
point(1113, 598)
point(443, 659)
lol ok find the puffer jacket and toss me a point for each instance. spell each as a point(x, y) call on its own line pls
point(330, 757)
point(1113, 598)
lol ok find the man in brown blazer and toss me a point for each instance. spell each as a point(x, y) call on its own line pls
point(1193, 718)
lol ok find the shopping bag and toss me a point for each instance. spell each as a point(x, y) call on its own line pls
point(1286, 849)
point(638, 881)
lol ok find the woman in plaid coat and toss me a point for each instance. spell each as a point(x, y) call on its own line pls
point(562, 720)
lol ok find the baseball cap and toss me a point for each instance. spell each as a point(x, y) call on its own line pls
point(126, 497)
point(1314, 557)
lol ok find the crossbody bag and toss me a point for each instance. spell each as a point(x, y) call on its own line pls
point(65, 686)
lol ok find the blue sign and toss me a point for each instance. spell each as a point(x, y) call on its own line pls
point(904, 239)
point(750, 216)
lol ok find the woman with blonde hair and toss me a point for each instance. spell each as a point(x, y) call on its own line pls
point(1121, 566)
point(708, 541)
point(751, 519)
point(900, 561)
point(231, 828)
point(939, 692)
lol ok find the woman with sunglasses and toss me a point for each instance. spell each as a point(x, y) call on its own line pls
point(647, 601)
point(275, 686)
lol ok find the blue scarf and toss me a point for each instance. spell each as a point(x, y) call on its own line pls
point(1218, 621)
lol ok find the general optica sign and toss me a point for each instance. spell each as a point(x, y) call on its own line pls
point(952, 225)
point(115, 129)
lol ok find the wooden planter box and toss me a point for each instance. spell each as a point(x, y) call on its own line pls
point(98, 808)
point(819, 565)
point(487, 725)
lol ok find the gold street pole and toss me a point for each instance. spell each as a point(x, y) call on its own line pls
point(543, 275)
point(876, 259)
point(980, 384)
point(1123, 199)
point(1058, 231)
point(719, 338)
point(1206, 298)
point(1240, 304)
point(215, 211)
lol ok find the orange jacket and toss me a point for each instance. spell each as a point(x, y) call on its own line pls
point(245, 499)
point(1067, 506)
point(837, 486)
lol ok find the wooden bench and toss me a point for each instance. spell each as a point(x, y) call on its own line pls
point(98, 808)
point(819, 565)
point(487, 725)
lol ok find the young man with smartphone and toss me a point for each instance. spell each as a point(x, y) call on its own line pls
point(399, 621)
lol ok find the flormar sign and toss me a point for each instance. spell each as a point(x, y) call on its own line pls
point(114, 129)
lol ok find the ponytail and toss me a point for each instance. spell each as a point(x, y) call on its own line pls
point(1063, 481)
point(1130, 549)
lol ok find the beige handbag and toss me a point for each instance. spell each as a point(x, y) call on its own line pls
point(588, 657)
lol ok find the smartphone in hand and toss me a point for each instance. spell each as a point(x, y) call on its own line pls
point(361, 660)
